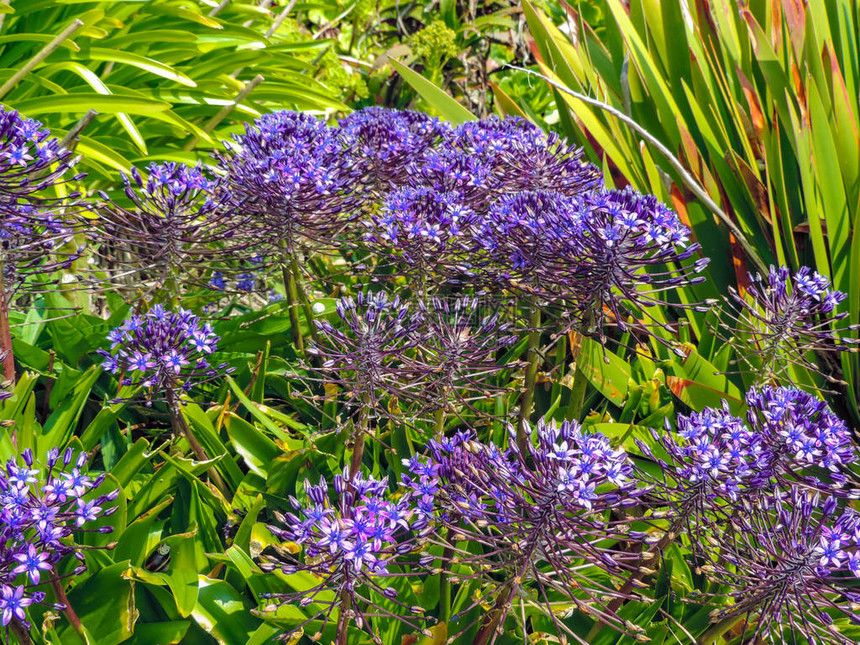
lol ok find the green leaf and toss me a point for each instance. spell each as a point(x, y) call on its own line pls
point(447, 107)
point(81, 102)
point(223, 613)
point(256, 449)
point(144, 63)
point(63, 420)
point(162, 633)
point(105, 604)
point(608, 373)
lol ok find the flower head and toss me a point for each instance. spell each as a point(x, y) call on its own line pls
point(784, 317)
point(545, 503)
point(458, 353)
point(349, 540)
point(424, 229)
point(40, 510)
point(181, 220)
point(383, 142)
point(524, 158)
point(291, 173)
point(790, 565)
point(163, 350)
point(30, 159)
point(364, 352)
point(630, 248)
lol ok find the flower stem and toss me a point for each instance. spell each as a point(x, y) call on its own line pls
point(291, 290)
point(359, 435)
point(303, 298)
point(69, 613)
point(180, 427)
point(342, 620)
point(533, 353)
point(5, 333)
point(444, 581)
point(20, 633)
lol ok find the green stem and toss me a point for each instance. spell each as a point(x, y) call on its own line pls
point(445, 582)
point(180, 428)
point(5, 333)
point(303, 298)
point(291, 290)
point(439, 426)
point(580, 380)
point(528, 394)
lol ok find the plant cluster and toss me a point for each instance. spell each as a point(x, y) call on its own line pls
point(374, 306)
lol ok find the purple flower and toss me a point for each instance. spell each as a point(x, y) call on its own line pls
point(348, 540)
point(364, 352)
point(30, 159)
point(382, 143)
point(424, 229)
point(163, 350)
point(33, 562)
point(545, 503)
point(524, 158)
point(791, 556)
point(457, 354)
point(291, 173)
point(40, 507)
point(781, 319)
point(13, 604)
point(181, 220)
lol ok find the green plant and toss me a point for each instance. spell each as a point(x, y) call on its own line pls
point(164, 77)
point(757, 104)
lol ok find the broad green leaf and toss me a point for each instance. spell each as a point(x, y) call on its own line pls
point(256, 449)
point(105, 604)
point(223, 613)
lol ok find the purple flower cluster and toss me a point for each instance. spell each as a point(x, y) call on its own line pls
point(524, 158)
point(180, 221)
point(790, 439)
point(758, 498)
point(162, 351)
point(291, 173)
point(792, 565)
point(364, 353)
point(442, 352)
point(39, 512)
point(33, 228)
point(30, 159)
point(600, 251)
point(426, 228)
point(547, 502)
point(784, 317)
point(457, 353)
point(382, 143)
point(34, 239)
point(350, 544)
